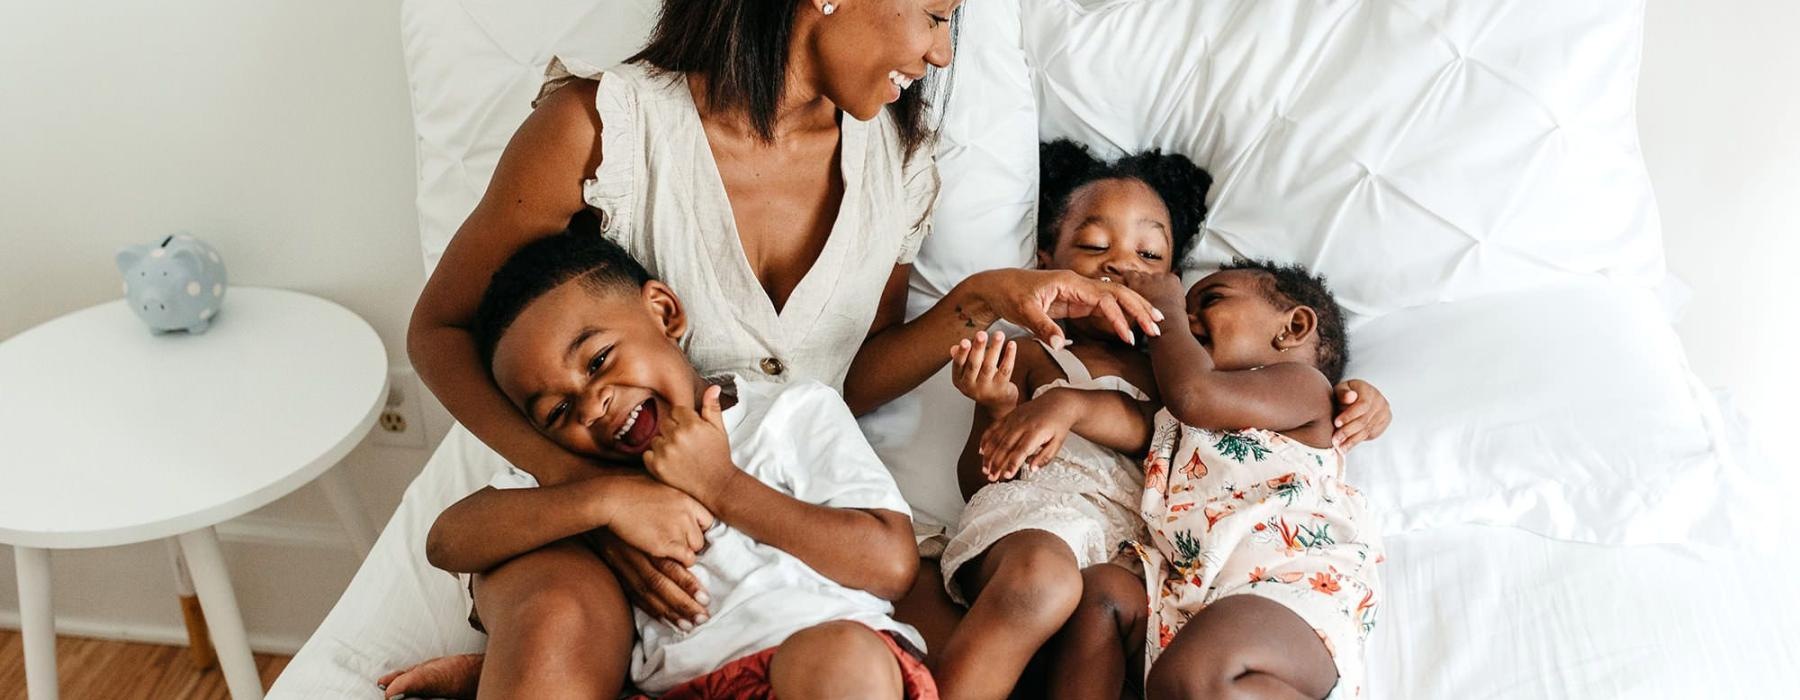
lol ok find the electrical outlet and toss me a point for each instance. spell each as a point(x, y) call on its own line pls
point(402, 419)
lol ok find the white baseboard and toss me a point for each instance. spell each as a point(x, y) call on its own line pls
point(168, 635)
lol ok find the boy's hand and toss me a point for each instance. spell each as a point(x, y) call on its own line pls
point(661, 587)
point(691, 452)
point(658, 520)
point(982, 370)
point(1029, 436)
point(1363, 413)
point(1162, 289)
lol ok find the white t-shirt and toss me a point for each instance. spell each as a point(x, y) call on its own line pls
point(800, 439)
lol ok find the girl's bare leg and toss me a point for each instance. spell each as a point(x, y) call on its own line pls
point(1103, 640)
point(558, 626)
point(1243, 647)
point(835, 661)
point(1024, 588)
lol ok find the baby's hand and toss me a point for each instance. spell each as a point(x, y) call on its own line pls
point(982, 370)
point(691, 452)
point(1029, 436)
point(1162, 289)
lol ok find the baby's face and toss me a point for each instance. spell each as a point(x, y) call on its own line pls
point(1110, 227)
point(597, 371)
point(1234, 320)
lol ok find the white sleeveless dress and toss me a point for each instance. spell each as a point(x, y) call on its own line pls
point(659, 195)
point(1087, 495)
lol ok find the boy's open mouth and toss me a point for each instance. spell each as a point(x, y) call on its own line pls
point(634, 435)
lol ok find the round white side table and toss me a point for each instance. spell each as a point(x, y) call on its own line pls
point(111, 435)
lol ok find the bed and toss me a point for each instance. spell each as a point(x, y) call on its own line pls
point(1568, 511)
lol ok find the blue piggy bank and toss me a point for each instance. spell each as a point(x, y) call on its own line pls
point(174, 284)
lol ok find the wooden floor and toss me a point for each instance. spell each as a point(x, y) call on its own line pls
point(96, 669)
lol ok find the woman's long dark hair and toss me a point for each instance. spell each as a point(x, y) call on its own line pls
point(741, 46)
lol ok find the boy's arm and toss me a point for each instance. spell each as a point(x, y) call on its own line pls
point(491, 526)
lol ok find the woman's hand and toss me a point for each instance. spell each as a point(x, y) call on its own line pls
point(691, 452)
point(1034, 299)
point(659, 586)
point(1363, 413)
point(982, 370)
point(1028, 437)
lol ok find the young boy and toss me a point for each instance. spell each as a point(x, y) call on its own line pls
point(811, 540)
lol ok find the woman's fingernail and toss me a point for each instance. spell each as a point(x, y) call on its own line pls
point(685, 626)
point(1156, 314)
point(701, 620)
point(702, 598)
point(1338, 423)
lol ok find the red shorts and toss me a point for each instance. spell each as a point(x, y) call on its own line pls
point(747, 678)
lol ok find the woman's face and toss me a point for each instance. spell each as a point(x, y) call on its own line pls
point(867, 51)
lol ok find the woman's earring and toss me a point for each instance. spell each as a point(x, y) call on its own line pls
point(828, 8)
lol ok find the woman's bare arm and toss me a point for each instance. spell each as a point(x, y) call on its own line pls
point(535, 189)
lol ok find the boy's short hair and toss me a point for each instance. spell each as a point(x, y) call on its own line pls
point(1289, 286)
point(579, 252)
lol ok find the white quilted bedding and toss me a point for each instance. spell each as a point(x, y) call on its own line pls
point(1446, 164)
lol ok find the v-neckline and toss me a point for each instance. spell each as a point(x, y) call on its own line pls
point(850, 162)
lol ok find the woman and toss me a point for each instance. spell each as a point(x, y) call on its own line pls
point(773, 159)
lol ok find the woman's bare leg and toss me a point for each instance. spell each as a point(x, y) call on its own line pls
point(929, 609)
point(558, 626)
point(1093, 654)
point(1243, 646)
point(1024, 588)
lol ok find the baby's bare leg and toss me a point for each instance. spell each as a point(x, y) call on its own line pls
point(835, 660)
point(1243, 646)
point(1024, 588)
point(1094, 653)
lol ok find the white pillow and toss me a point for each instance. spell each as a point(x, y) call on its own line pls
point(1414, 150)
point(1568, 411)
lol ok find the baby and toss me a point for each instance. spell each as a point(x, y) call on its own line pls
point(811, 539)
point(1260, 563)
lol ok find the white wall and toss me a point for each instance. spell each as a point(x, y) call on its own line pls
point(278, 130)
point(1719, 111)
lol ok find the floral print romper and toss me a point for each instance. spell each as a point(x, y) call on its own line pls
point(1254, 512)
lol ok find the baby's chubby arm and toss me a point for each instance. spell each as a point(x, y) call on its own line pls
point(490, 526)
point(868, 549)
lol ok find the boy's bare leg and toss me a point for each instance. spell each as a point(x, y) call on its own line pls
point(1243, 646)
point(835, 660)
point(929, 609)
point(1093, 654)
point(558, 626)
point(1024, 588)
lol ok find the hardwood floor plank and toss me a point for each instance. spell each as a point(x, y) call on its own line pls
point(101, 669)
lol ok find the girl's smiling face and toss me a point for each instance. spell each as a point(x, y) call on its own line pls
point(1110, 227)
point(1234, 319)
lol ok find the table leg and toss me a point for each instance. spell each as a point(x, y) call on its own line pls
point(204, 559)
point(199, 642)
point(36, 622)
point(336, 483)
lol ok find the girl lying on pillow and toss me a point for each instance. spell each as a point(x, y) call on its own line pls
point(1040, 548)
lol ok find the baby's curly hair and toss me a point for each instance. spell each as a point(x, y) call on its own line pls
point(1288, 286)
point(1064, 166)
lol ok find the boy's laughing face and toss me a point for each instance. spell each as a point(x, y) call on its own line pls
point(597, 370)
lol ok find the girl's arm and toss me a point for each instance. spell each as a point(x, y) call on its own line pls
point(535, 189)
point(1031, 435)
point(1279, 397)
point(490, 526)
point(899, 355)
